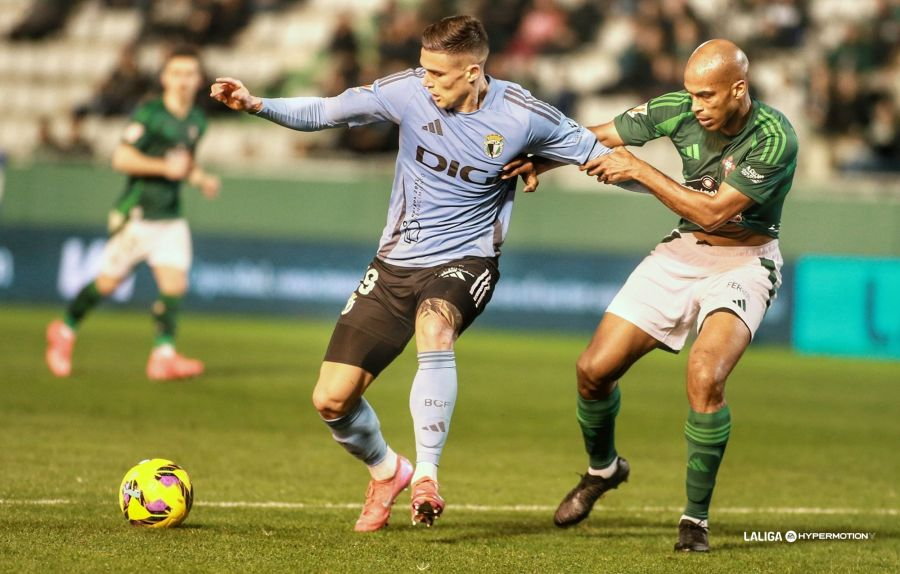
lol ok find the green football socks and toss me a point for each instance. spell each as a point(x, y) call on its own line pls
point(598, 424)
point(707, 435)
point(165, 316)
point(88, 298)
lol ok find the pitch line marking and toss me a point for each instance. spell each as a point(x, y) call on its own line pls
point(801, 510)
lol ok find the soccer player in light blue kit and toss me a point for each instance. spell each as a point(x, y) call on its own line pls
point(436, 265)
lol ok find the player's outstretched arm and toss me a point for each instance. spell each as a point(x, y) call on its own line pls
point(174, 166)
point(709, 212)
point(354, 107)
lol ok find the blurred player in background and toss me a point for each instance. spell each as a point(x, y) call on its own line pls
point(720, 269)
point(146, 224)
point(437, 262)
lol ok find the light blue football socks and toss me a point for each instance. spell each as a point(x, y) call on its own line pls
point(431, 402)
point(359, 432)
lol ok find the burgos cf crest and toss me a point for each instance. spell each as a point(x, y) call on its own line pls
point(493, 145)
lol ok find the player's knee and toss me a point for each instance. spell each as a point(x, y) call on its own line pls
point(176, 288)
point(596, 380)
point(106, 285)
point(327, 403)
point(706, 386)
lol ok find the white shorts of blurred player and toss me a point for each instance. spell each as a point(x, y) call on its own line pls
point(681, 282)
point(161, 243)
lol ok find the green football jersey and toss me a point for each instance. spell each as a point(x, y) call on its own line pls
point(759, 161)
point(154, 131)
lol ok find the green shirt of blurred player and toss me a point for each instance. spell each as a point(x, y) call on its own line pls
point(146, 224)
point(157, 132)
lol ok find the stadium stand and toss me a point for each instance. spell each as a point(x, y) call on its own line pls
point(832, 67)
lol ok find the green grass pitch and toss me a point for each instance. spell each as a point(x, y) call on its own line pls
point(814, 449)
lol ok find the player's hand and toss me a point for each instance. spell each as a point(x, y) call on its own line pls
point(210, 186)
point(615, 167)
point(522, 166)
point(178, 164)
point(235, 95)
point(115, 222)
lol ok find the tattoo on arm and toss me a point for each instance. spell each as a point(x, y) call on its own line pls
point(443, 309)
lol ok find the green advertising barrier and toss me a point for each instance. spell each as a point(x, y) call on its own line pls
point(847, 306)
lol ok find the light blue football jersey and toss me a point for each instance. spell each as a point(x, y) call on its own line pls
point(448, 200)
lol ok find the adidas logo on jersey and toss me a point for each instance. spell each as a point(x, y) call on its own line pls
point(434, 127)
point(691, 151)
point(742, 303)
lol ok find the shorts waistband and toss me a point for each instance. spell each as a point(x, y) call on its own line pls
point(768, 250)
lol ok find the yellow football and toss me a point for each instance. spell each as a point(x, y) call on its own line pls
point(156, 493)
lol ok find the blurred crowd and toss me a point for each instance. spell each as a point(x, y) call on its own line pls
point(195, 21)
point(849, 82)
point(850, 88)
point(852, 92)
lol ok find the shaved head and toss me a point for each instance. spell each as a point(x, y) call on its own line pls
point(716, 78)
point(718, 60)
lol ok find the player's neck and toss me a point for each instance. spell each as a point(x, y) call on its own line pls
point(476, 98)
point(737, 122)
point(176, 105)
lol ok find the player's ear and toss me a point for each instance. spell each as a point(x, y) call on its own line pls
point(472, 72)
point(738, 89)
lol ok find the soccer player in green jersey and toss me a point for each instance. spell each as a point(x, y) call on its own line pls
point(146, 224)
point(719, 270)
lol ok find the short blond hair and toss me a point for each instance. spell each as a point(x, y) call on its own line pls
point(457, 35)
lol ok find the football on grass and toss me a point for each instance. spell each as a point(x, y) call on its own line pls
point(156, 493)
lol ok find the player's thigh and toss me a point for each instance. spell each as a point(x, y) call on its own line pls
point(746, 290)
point(615, 346)
point(722, 341)
point(658, 299)
point(357, 346)
point(376, 323)
point(122, 252)
point(450, 297)
point(170, 254)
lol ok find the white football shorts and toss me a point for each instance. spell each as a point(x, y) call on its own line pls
point(681, 282)
point(159, 242)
